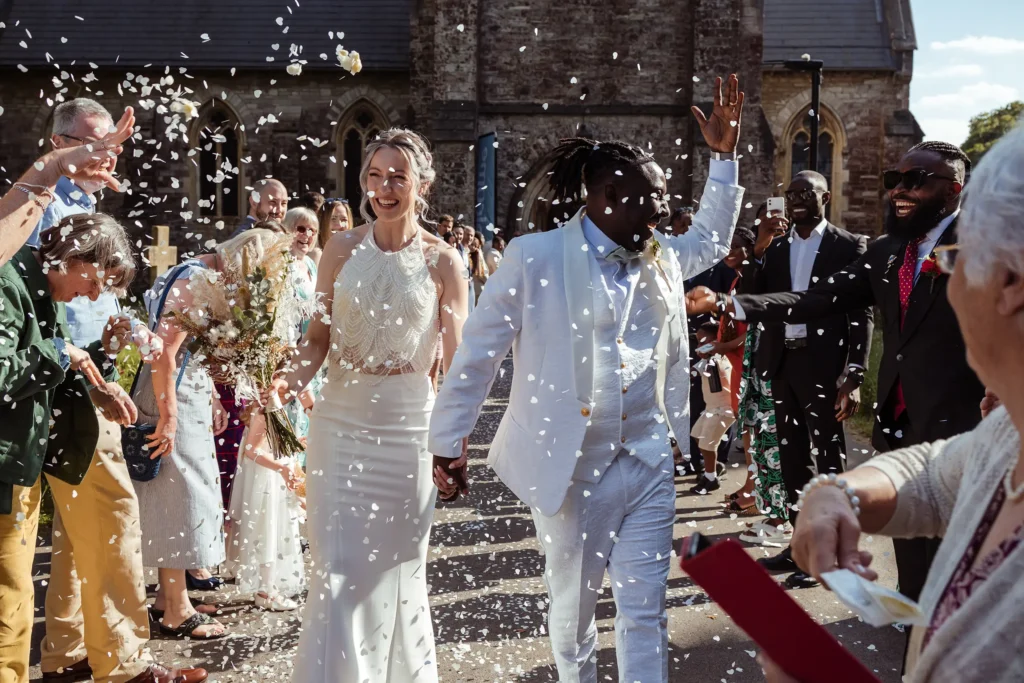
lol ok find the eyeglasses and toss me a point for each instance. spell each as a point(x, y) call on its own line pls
point(72, 137)
point(945, 258)
point(911, 180)
point(806, 195)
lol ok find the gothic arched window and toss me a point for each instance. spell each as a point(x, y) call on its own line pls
point(219, 183)
point(800, 152)
point(359, 127)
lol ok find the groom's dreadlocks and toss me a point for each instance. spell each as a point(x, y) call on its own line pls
point(947, 151)
point(582, 159)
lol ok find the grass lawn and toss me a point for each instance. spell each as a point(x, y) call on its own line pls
point(864, 421)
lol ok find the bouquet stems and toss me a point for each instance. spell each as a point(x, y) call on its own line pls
point(280, 431)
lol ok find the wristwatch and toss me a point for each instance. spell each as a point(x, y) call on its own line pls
point(62, 353)
point(728, 156)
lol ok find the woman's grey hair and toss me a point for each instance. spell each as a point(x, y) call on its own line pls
point(91, 238)
point(990, 226)
point(66, 115)
point(292, 218)
point(421, 163)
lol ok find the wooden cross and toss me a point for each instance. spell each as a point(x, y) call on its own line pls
point(161, 255)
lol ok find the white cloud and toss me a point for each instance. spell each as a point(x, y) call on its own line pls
point(953, 71)
point(946, 130)
point(971, 98)
point(986, 45)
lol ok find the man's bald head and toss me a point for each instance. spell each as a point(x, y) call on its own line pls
point(268, 200)
point(815, 179)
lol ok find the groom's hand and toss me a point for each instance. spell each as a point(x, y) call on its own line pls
point(722, 130)
point(451, 476)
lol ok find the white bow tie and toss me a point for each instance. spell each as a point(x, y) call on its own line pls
point(623, 255)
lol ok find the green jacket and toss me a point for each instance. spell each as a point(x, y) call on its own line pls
point(47, 420)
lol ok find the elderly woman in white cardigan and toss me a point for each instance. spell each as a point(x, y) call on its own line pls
point(969, 490)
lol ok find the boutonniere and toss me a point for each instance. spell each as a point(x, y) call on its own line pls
point(930, 269)
point(888, 265)
point(654, 254)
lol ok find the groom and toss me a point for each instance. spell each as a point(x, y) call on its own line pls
point(592, 314)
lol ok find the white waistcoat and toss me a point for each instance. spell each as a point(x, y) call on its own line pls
point(626, 416)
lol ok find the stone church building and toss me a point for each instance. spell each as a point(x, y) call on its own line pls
point(494, 84)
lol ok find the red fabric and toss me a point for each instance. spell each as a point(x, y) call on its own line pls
point(906, 280)
point(735, 357)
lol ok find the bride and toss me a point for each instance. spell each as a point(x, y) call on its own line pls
point(389, 287)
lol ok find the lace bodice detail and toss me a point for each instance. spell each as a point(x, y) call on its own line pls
point(385, 312)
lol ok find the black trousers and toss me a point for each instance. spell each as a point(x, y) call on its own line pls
point(914, 556)
point(804, 392)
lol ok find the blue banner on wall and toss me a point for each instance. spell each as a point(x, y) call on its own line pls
point(486, 178)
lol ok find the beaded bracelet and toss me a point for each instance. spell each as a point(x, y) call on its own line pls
point(27, 189)
point(831, 480)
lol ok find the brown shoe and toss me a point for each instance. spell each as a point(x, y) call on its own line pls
point(79, 671)
point(159, 674)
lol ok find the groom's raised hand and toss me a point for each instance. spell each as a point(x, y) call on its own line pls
point(722, 130)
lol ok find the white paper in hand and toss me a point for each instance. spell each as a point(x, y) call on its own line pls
point(876, 605)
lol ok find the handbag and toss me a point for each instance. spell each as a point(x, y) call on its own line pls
point(141, 467)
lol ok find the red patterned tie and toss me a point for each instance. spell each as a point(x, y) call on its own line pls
point(906, 280)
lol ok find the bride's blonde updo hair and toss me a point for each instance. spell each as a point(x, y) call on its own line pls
point(414, 148)
point(256, 243)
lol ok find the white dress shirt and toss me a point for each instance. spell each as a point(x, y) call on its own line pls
point(924, 250)
point(802, 253)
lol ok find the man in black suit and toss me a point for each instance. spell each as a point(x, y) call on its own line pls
point(926, 390)
point(815, 369)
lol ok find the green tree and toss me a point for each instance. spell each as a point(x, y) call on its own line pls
point(987, 128)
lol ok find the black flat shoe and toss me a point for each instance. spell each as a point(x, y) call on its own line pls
point(705, 485)
point(210, 584)
point(783, 562)
point(799, 579)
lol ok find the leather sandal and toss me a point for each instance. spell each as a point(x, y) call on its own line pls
point(161, 674)
point(79, 671)
point(188, 627)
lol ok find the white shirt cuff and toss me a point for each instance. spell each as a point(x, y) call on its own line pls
point(724, 171)
point(737, 311)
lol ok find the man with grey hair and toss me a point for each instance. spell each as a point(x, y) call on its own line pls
point(268, 201)
point(78, 122)
point(926, 389)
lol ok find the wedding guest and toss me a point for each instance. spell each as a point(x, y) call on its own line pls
point(267, 201)
point(303, 225)
point(495, 254)
point(310, 200)
point(96, 622)
point(477, 267)
point(181, 508)
point(590, 456)
point(718, 416)
point(451, 239)
point(79, 122)
point(334, 216)
point(680, 222)
point(816, 370)
point(22, 206)
point(445, 224)
point(264, 550)
point(462, 234)
point(968, 490)
point(926, 390)
point(727, 342)
point(372, 622)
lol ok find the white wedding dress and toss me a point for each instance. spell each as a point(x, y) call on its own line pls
point(370, 495)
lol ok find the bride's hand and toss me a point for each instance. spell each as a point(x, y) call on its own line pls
point(278, 386)
point(451, 476)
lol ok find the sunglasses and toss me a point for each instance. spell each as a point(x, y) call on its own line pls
point(806, 195)
point(945, 258)
point(911, 180)
point(335, 200)
point(305, 230)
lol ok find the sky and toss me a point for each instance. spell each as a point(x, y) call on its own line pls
point(969, 60)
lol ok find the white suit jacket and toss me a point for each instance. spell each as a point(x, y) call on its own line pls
point(540, 303)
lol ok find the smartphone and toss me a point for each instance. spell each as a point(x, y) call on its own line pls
point(687, 548)
point(706, 348)
point(777, 206)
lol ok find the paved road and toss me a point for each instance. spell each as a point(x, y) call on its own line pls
point(489, 602)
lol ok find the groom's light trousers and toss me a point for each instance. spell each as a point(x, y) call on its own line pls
point(622, 524)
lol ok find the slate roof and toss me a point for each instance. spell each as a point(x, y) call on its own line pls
point(845, 34)
point(241, 32)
